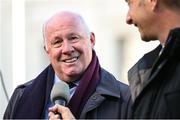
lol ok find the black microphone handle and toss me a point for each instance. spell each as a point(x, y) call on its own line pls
point(60, 102)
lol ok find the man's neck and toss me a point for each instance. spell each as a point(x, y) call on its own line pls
point(168, 23)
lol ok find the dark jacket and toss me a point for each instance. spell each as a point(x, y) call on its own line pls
point(155, 81)
point(110, 100)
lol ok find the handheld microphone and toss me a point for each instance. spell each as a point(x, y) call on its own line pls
point(60, 93)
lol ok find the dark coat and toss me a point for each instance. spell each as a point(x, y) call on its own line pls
point(155, 81)
point(110, 100)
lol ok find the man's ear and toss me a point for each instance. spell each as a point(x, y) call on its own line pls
point(92, 39)
point(154, 4)
point(45, 49)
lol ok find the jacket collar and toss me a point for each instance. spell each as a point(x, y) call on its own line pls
point(108, 86)
point(139, 73)
point(145, 69)
point(36, 94)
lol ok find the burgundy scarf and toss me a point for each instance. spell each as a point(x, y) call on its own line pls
point(86, 87)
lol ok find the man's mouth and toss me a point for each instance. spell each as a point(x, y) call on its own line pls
point(70, 60)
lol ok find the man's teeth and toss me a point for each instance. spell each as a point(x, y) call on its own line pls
point(71, 60)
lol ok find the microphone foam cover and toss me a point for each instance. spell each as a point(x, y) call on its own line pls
point(60, 90)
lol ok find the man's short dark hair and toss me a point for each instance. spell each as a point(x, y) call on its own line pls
point(172, 4)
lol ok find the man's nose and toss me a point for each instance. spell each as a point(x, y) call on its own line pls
point(129, 19)
point(67, 47)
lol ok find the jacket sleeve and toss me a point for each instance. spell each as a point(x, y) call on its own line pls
point(14, 101)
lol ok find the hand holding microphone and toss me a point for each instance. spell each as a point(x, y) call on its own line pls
point(64, 111)
point(60, 97)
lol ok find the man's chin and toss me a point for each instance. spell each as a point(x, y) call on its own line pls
point(73, 75)
point(148, 38)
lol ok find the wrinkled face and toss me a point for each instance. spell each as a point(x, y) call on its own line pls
point(69, 47)
point(141, 15)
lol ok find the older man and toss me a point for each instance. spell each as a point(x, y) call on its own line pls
point(69, 45)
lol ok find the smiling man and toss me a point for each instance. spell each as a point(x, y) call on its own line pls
point(69, 45)
point(155, 79)
point(96, 94)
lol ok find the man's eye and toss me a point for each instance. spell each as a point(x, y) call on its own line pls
point(73, 38)
point(56, 42)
